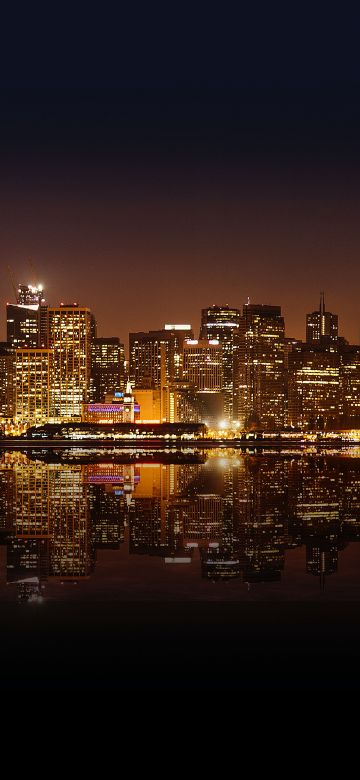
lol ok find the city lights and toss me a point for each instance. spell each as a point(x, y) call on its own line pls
point(242, 378)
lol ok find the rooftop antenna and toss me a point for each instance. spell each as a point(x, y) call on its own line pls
point(322, 303)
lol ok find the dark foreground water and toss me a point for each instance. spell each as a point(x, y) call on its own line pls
point(178, 564)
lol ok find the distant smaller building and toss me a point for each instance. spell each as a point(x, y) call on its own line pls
point(118, 407)
point(150, 404)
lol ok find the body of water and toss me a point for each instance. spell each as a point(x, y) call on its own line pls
point(219, 526)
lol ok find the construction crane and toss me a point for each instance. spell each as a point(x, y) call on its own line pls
point(13, 283)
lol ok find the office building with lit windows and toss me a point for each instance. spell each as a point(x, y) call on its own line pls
point(349, 378)
point(203, 371)
point(261, 367)
point(313, 388)
point(107, 367)
point(33, 386)
point(70, 328)
point(203, 364)
point(322, 326)
point(7, 364)
point(222, 323)
point(156, 356)
point(27, 319)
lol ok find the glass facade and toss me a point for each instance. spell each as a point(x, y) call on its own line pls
point(33, 386)
point(261, 367)
point(222, 323)
point(70, 339)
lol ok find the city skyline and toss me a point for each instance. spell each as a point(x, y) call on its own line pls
point(157, 322)
point(242, 373)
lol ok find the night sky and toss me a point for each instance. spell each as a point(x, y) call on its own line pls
point(150, 168)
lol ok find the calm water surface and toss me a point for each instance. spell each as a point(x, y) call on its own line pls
point(210, 526)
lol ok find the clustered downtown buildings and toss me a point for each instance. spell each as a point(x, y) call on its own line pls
point(241, 373)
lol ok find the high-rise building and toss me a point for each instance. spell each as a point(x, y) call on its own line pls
point(27, 319)
point(203, 364)
point(349, 377)
point(222, 323)
point(29, 295)
point(148, 351)
point(22, 325)
point(313, 388)
point(70, 338)
point(261, 367)
point(7, 360)
point(107, 367)
point(203, 371)
point(33, 386)
point(322, 326)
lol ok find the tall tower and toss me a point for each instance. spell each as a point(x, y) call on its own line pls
point(27, 319)
point(33, 386)
point(7, 365)
point(70, 329)
point(261, 369)
point(222, 323)
point(322, 326)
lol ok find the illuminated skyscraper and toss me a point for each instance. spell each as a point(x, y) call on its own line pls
point(261, 368)
point(33, 386)
point(322, 326)
point(349, 377)
point(27, 319)
point(313, 388)
point(222, 323)
point(7, 360)
point(148, 351)
point(70, 337)
point(203, 365)
point(203, 370)
point(22, 325)
point(107, 367)
point(29, 295)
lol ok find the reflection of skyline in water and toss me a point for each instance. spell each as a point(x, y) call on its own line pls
point(229, 520)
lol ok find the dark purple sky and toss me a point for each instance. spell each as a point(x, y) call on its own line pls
point(153, 177)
